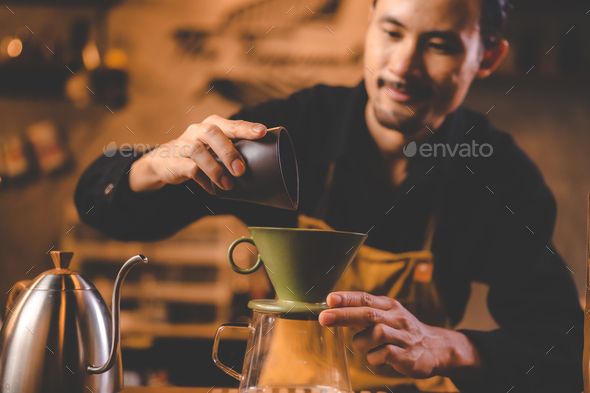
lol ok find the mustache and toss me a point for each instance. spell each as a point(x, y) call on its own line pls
point(410, 87)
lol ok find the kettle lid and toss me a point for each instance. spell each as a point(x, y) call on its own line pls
point(61, 278)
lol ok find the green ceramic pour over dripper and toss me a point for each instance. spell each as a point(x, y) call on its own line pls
point(304, 265)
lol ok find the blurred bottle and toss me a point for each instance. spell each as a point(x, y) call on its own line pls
point(79, 35)
point(110, 80)
point(48, 146)
point(15, 162)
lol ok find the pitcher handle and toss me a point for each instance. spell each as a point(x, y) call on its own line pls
point(228, 370)
point(230, 257)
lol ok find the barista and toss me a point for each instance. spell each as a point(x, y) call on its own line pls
point(436, 223)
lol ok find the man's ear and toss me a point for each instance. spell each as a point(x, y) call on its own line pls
point(492, 57)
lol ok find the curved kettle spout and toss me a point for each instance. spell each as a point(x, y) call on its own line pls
point(116, 315)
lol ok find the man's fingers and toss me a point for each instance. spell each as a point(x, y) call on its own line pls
point(200, 135)
point(360, 299)
point(237, 128)
point(204, 181)
point(199, 143)
point(216, 132)
point(360, 317)
point(185, 169)
point(377, 335)
point(211, 167)
point(386, 353)
point(178, 171)
point(213, 136)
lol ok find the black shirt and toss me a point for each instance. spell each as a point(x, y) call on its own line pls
point(495, 227)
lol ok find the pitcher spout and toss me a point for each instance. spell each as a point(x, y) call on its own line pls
point(116, 315)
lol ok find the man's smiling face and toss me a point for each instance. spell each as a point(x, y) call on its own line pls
point(422, 56)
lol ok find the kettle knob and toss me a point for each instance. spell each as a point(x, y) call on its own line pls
point(61, 259)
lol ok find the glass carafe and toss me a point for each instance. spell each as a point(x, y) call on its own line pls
point(285, 352)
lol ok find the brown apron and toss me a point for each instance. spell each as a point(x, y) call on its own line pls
point(406, 277)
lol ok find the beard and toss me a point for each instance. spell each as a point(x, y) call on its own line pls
point(401, 120)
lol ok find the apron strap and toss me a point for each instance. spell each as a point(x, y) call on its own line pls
point(438, 196)
point(431, 225)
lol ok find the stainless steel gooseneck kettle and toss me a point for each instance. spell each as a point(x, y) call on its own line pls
point(58, 335)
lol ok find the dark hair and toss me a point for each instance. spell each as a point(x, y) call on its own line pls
point(491, 22)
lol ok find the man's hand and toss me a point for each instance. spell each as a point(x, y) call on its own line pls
point(396, 337)
point(189, 156)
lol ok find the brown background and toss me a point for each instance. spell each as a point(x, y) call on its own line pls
point(177, 50)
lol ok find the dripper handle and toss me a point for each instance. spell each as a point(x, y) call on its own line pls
point(230, 257)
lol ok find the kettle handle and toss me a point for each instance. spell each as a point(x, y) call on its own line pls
point(14, 292)
point(228, 370)
point(116, 316)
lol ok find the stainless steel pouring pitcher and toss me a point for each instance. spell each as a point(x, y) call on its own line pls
point(58, 335)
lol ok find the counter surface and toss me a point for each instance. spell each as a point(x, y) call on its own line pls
point(145, 389)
